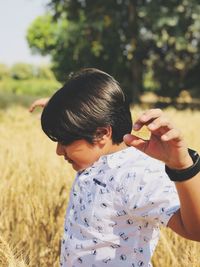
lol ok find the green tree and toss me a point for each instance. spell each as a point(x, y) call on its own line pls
point(44, 72)
point(42, 35)
point(4, 72)
point(134, 40)
point(22, 71)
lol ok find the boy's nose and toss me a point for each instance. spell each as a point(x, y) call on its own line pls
point(59, 149)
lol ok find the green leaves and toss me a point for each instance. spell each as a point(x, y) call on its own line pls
point(146, 45)
point(22, 71)
point(42, 35)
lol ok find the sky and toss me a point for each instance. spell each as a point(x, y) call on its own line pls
point(15, 18)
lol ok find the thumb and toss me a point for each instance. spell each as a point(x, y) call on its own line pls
point(135, 141)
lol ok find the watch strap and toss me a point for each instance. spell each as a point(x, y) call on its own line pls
point(188, 173)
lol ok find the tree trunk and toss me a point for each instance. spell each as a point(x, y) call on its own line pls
point(136, 72)
point(136, 63)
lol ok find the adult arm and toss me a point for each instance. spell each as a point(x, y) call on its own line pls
point(167, 144)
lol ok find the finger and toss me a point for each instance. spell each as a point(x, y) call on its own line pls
point(147, 117)
point(158, 123)
point(135, 141)
point(173, 134)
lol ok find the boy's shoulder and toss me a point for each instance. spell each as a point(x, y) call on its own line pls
point(130, 172)
point(133, 158)
point(139, 175)
point(131, 167)
point(129, 162)
point(124, 164)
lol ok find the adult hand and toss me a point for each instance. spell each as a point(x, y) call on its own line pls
point(38, 103)
point(166, 142)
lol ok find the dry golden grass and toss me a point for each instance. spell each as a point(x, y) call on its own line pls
point(34, 191)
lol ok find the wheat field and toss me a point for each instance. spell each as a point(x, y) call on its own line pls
point(34, 192)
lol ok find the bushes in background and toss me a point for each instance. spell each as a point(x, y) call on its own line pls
point(27, 79)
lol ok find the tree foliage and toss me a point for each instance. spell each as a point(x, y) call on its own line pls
point(4, 71)
point(42, 35)
point(22, 71)
point(27, 79)
point(145, 44)
point(44, 72)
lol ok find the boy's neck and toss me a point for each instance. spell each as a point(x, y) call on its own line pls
point(115, 148)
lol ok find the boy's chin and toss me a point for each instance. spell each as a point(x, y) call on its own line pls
point(78, 168)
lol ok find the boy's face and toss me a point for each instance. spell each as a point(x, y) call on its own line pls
point(80, 153)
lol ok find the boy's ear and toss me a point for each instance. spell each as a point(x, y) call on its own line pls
point(103, 134)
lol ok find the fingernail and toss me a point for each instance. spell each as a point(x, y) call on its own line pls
point(136, 126)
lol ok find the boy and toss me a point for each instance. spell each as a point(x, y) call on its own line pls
point(120, 195)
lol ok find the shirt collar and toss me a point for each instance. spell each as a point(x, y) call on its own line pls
point(113, 160)
point(117, 159)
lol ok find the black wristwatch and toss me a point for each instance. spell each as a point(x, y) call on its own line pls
point(185, 174)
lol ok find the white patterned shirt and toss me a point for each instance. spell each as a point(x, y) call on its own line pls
point(116, 208)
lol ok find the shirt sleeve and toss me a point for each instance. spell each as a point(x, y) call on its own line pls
point(149, 194)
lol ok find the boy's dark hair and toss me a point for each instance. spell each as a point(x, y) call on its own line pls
point(90, 99)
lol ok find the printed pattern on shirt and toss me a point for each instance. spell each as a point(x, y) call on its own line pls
point(115, 210)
